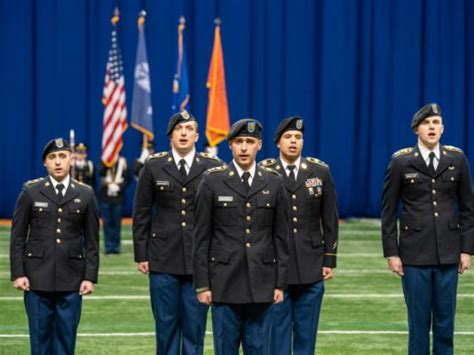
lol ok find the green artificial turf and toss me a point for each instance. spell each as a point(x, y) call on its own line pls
point(364, 298)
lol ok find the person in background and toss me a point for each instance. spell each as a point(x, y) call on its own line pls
point(147, 150)
point(83, 169)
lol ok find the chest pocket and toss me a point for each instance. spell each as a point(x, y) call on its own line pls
point(41, 215)
point(77, 209)
point(163, 186)
point(450, 182)
point(265, 209)
point(411, 180)
point(225, 211)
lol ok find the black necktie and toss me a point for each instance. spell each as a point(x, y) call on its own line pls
point(182, 167)
point(292, 176)
point(60, 188)
point(431, 164)
point(245, 180)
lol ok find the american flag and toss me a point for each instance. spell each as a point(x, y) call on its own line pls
point(115, 111)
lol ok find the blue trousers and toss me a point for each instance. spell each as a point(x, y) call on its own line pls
point(53, 318)
point(246, 323)
point(297, 318)
point(180, 320)
point(430, 296)
point(112, 216)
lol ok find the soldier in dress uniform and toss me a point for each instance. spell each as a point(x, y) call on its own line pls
point(435, 240)
point(163, 220)
point(83, 169)
point(313, 240)
point(114, 180)
point(241, 245)
point(54, 255)
point(147, 150)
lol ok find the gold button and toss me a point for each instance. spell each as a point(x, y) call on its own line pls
point(295, 208)
point(412, 181)
point(435, 203)
point(434, 191)
point(452, 179)
point(58, 241)
point(295, 230)
point(295, 219)
point(41, 210)
point(153, 235)
point(213, 259)
point(184, 189)
point(248, 205)
point(78, 211)
point(162, 188)
point(247, 231)
point(183, 212)
point(248, 218)
point(293, 197)
point(183, 201)
point(247, 245)
point(79, 256)
point(183, 224)
point(433, 181)
point(268, 205)
point(58, 230)
point(59, 220)
point(29, 254)
point(406, 228)
point(225, 204)
point(60, 210)
point(436, 214)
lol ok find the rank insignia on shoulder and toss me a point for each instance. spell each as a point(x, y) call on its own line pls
point(266, 162)
point(209, 156)
point(269, 170)
point(452, 148)
point(80, 183)
point(32, 182)
point(157, 155)
point(403, 151)
point(316, 161)
point(217, 169)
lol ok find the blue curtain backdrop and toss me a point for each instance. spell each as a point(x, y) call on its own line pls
point(355, 70)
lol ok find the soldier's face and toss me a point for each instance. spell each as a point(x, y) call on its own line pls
point(81, 156)
point(244, 150)
point(184, 136)
point(58, 164)
point(429, 131)
point(291, 144)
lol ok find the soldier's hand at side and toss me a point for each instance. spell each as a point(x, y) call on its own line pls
point(22, 283)
point(327, 273)
point(86, 288)
point(205, 297)
point(464, 263)
point(143, 267)
point(277, 296)
point(395, 265)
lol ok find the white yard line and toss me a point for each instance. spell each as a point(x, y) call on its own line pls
point(152, 334)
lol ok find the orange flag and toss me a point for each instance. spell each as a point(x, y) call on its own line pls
point(218, 123)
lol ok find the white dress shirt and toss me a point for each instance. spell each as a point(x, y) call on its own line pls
point(65, 182)
point(425, 153)
point(296, 169)
point(240, 171)
point(188, 159)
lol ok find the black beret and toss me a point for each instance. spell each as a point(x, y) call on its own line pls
point(55, 145)
point(183, 116)
point(294, 123)
point(429, 110)
point(248, 127)
point(81, 148)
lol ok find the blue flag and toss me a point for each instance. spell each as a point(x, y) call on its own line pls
point(180, 82)
point(142, 112)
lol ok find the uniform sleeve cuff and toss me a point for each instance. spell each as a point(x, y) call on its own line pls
point(202, 289)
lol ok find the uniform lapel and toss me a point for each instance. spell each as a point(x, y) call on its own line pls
point(171, 169)
point(303, 174)
point(47, 190)
point(234, 182)
point(445, 161)
point(71, 193)
point(258, 182)
point(196, 168)
point(418, 162)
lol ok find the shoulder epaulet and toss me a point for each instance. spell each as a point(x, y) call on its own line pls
point(157, 155)
point(403, 151)
point(80, 183)
point(34, 181)
point(452, 148)
point(209, 156)
point(217, 169)
point(316, 161)
point(269, 170)
point(267, 162)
